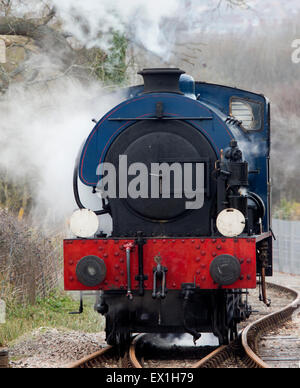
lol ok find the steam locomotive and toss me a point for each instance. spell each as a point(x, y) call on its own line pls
point(182, 168)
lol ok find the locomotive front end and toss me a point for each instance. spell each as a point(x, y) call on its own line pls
point(189, 203)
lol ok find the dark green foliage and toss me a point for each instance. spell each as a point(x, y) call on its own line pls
point(112, 70)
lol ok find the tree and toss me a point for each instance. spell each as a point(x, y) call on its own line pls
point(61, 57)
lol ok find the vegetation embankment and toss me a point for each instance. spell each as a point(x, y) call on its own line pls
point(52, 311)
point(31, 282)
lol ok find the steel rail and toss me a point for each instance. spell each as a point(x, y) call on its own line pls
point(246, 346)
point(94, 359)
point(132, 353)
point(252, 333)
point(219, 355)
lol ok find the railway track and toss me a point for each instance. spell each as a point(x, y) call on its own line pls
point(96, 360)
point(241, 353)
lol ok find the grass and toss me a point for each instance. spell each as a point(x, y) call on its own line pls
point(50, 312)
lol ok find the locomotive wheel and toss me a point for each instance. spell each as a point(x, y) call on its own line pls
point(121, 339)
point(226, 322)
point(230, 334)
point(233, 333)
point(227, 334)
point(117, 334)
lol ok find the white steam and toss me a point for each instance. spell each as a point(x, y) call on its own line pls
point(40, 135)
point(155, 24)
point(159, 25)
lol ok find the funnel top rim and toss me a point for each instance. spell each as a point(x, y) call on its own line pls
point(170, 70)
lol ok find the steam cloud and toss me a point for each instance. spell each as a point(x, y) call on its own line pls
point(158, 25)
point(41, 135)
point(154, 25)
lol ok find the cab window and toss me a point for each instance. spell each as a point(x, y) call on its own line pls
point(248, 112)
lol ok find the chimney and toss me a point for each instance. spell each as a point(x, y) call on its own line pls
point(161, 80)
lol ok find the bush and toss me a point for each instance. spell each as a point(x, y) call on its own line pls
point(30, 262)
point(287, 210)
